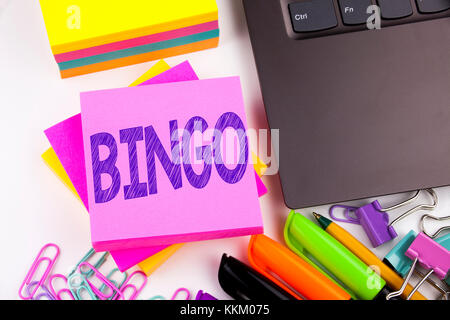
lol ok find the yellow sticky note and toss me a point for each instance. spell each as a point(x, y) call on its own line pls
point(149, 265)
point(51, 159)
point(158, 68)
point(260, 167)
point(79, 24)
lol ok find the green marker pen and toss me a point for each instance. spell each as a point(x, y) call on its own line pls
point(304, 237)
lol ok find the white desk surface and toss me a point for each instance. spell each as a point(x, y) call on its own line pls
point(36, 208)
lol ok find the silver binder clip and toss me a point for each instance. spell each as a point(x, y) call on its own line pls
point(416, 208)
point(434, 235)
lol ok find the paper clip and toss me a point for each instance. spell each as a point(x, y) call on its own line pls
point(46, 293)
point(375, 220)
point(77, 287)
point(58, 294)
point(109, 277)
point(114, 290)
point(201, 295)
point(128, 284)
point(31, 273)
point(96, 265)
point(431, 256)
point(188, 294)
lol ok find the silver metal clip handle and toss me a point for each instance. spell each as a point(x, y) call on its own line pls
point(434, 235)
point(416, 208)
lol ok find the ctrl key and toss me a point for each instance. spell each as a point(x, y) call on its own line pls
point(315, 15)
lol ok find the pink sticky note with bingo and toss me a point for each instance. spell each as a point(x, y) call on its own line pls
point(67, 141)
point(150, 183)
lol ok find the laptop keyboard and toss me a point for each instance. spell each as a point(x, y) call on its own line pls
point(311, 18)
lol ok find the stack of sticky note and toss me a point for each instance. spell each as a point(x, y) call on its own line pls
point(66, 159)
point(88, 36)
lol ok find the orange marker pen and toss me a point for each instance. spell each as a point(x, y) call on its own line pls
point(269, 257)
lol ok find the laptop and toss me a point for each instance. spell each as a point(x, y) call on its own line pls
point(361, 111)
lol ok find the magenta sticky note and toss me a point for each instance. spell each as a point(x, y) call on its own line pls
point(128, 258)
point(144, 186)
point(66, 139)
point(260, 186)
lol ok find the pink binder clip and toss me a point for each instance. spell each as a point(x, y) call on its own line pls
point(430, 255)
point(128, 285)
point(40, 259)
point(375, 220)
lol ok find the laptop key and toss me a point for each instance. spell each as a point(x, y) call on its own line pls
point(432, 6)
point(354, 12)
point(395, 9)
point(312, 15)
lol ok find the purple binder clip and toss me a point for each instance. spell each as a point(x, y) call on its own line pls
point(375, 220)
point(430, 255)
point(201, 295)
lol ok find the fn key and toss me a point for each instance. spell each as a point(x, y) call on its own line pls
point(312, 15)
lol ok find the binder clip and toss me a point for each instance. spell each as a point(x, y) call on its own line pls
point(397, 259)
point(399, 262)
point(434, 235)
point(431, 256)
point(202, 295)
point(375, 220)
point(443, 240)
point(243, 283)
